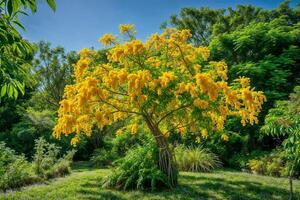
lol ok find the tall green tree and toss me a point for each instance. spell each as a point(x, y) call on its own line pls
point(268, 52)
point(53, 69)
point(206, 23)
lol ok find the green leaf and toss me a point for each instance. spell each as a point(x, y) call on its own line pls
point(10, 90)
point(16, 5)
point(32, 5)
point(19, 24)
point(15, 93)
point(10, 7)
point(3, 90)
point(52, 4)
point(21, 87)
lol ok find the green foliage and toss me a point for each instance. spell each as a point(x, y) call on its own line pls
point(197, 159)
point(240, 160)
point(126, 141)
point(16, 52)
point(53, 69)
point(103, 157)
point(267, 53)
point(138, 170)
point(284, 120)
point(15, 171)
point(61, 167)
point(271, 164)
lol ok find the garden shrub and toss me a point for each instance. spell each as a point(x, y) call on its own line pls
point(138, 170)
point(272, 164)
point(196, 159)
point(15, 171)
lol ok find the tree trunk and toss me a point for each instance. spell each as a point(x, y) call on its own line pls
point(166, 161)
point(291, 187)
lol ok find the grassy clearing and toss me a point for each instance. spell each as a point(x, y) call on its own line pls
point(85, 183)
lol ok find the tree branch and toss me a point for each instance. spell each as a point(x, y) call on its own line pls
point(171, 112)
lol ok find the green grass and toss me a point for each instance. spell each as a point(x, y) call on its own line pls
point(85, 183)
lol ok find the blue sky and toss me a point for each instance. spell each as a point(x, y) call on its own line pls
point(79, 23)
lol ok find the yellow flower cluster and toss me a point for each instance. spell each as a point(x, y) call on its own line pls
point(224, 137)
point(81, 66)
point(132, 48)
point(124, 28)
point(107, 39)
point(245, 82)
point(207, 85)
point(166, 78)
point(201, 103)
point(221, 69)
point(203, 52)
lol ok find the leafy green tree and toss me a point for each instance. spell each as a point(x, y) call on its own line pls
point(284, 120)
point(16, 52)
point(53, 69)
point(206, 23)
point(268, 52)
point(199, 21)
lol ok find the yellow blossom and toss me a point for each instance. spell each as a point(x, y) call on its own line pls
point(107, 39)
point(224, 137)
point(204, 133)
point(126, 27)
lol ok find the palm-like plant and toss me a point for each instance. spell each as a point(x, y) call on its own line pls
point(196, 159)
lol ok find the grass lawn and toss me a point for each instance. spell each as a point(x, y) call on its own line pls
point(85, 183)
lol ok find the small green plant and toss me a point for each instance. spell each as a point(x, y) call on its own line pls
point(138, 170)
point(46, 162)
point(257, 166)
point(196, 159)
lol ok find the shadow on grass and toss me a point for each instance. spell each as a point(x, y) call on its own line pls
point(227, 189)
point(192, 187)
point(92, 190)
point(81, 166)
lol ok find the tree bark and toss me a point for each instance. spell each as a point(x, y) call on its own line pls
point(166, 161)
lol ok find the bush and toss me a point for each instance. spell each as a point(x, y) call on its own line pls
point(137, 170)
point(46, 162)
point(15, 171)
point(62, 167)
point(196, 159)
point(272, 164)
point(240, 161)
point(102, 157)
point(257, 166)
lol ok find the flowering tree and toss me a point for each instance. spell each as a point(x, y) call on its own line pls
point(165, 84)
